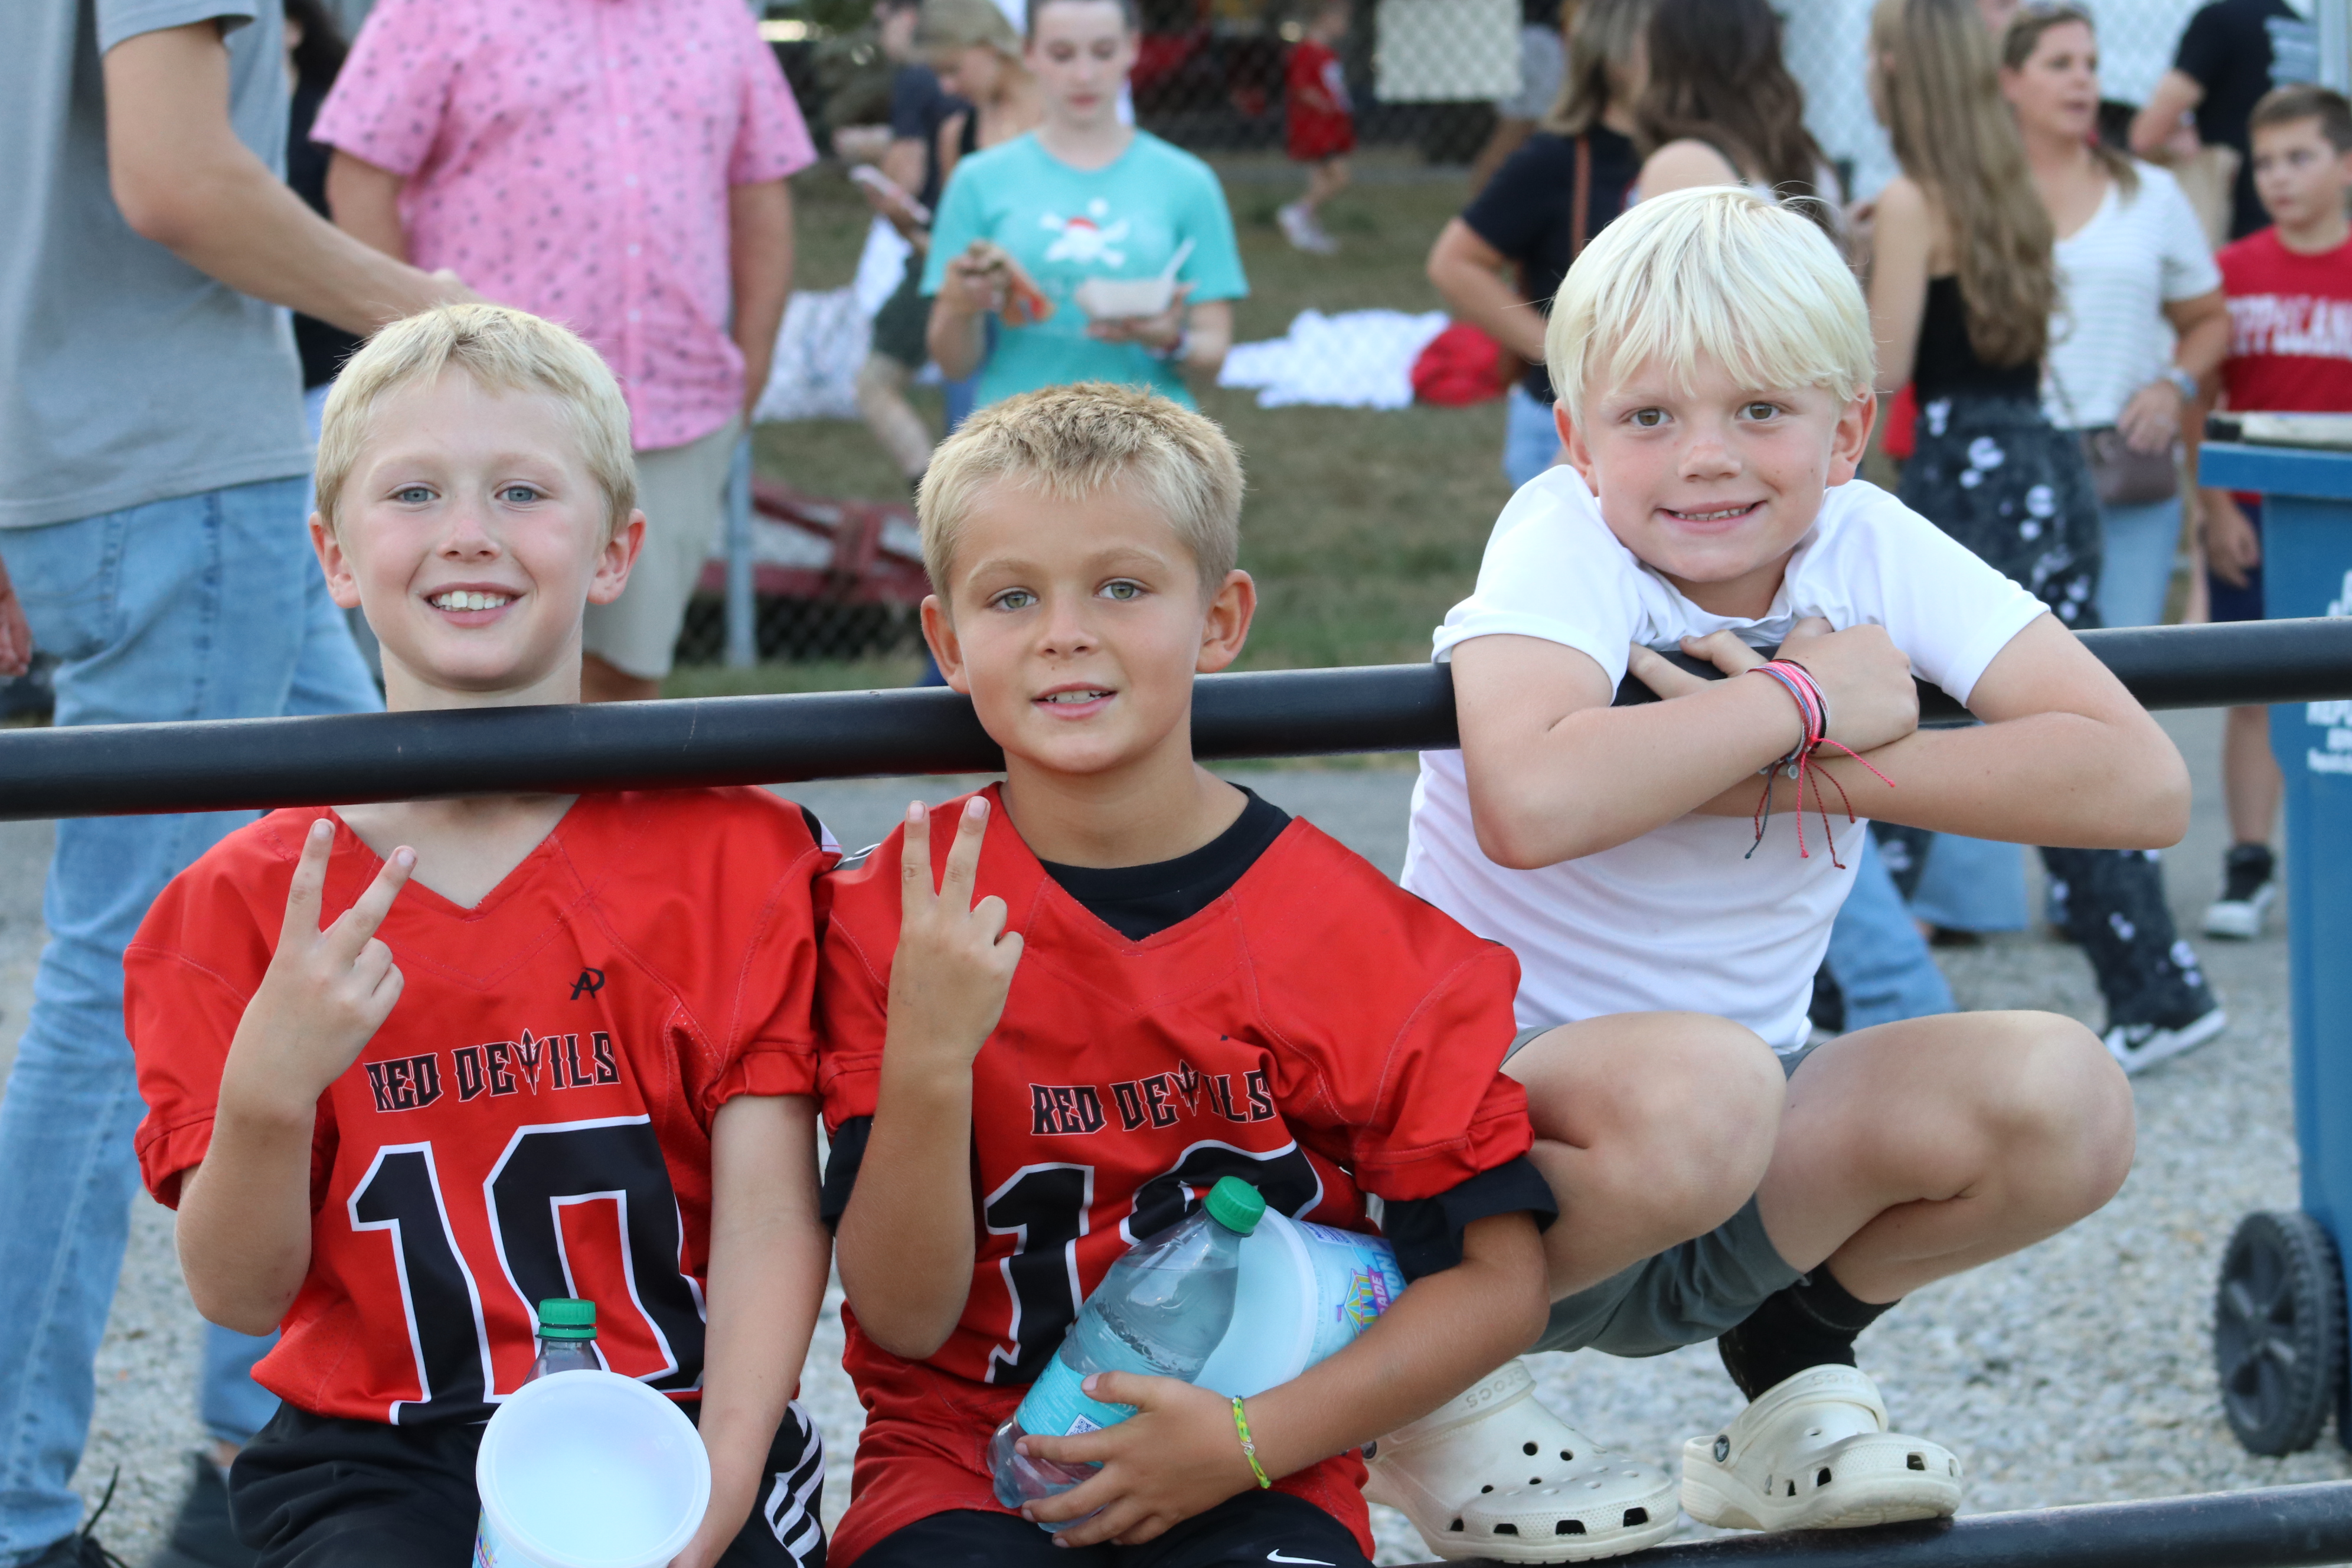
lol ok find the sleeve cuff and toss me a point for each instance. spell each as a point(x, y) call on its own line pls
point(844, 1154)
point(1427, 1232)
point(763, 1070)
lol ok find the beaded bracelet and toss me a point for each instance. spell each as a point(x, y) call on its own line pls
point(1249, 1449)
point(1814, 721)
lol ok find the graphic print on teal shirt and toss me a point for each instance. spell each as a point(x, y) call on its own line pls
point(1127, 219)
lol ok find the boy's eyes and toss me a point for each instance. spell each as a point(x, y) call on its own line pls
point(412, 494)
point(1122, 589)
point(518, 495)
point(1649, 418)
point(1760, 410)
point(1013, 599)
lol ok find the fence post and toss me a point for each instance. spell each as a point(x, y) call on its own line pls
point(742, 642)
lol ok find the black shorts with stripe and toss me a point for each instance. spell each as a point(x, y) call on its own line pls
point(324, 1491)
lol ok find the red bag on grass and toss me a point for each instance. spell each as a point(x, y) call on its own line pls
point(1463, 365)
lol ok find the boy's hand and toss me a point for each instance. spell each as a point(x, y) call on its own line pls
point(955, 959)
point(2232, 548)
point(1865, 678)
point(1177, 1456)
point(326, 991)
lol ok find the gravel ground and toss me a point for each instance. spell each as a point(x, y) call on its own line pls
point(2076, 1371)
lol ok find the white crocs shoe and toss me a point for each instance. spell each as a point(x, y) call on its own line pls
point(1812, 1452)
point(1493, 1474)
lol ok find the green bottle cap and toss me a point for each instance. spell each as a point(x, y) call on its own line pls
point(1235, 1205)
point(563, 1317)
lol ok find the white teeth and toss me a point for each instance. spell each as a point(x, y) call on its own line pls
point(467, 599)
point(1076, 696)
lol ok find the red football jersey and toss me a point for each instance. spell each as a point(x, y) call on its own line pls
point(2290, 327)
point(1318, 122)
point(1317, 1030)
point(533, 1119)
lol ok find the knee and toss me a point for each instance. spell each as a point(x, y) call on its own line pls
point(2063, 1109)
point(1700, 1117)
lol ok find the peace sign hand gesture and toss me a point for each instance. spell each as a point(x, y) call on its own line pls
point(955, 959)
point(326, 990)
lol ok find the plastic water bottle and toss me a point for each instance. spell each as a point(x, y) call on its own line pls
point(1161, 1311)
point(567, 1337)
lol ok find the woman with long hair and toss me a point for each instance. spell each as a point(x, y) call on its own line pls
point(1963, 287)
point(1031, 231)
point(978, 56)
point(1719, 108)
point(1559, 189)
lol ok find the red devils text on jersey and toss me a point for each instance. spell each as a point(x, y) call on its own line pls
point(533, 1119)
point(1316, 1029)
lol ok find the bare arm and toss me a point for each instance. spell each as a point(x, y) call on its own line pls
point(903, 162)
point(768, 1256)
point(906, 1244)
point(1209, 337)
point(1181, 1454)
point(244, 1228)
point(1679, 165)
point(365, 201)
point(2158, 415)
point(184, 180)
point(1904, 239)
point(2064, 756)
point(1468, 273)
point(2176, 94)
point(1557, 773)
point(759, 258)
point(15, 636)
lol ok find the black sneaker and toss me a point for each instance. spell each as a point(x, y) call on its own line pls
point(81, 1549)
point(202, 1534)
point(2249, 888)
point(2138, 1046)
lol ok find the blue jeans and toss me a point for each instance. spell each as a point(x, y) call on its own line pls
point(2139, 543)
point(206, 607)
point(1877, 954)
point(1972, 884)
point(1530, 439)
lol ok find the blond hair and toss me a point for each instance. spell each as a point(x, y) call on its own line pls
point(1716, 273)
point(965, 25)
point(504, 351)
point(1938, 77)
point(1604, 38)
point(1074, 442)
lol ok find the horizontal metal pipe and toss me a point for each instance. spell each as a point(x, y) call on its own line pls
point(2273, 1527)
point(111, 770)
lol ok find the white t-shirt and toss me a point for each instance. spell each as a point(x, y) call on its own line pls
point(1682, 917)
point(2116, 274)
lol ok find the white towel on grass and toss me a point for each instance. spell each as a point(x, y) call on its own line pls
point(1356, 359)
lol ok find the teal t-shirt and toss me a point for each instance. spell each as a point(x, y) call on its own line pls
point(1065, 226)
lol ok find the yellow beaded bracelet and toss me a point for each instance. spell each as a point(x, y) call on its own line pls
point(1249, 1449)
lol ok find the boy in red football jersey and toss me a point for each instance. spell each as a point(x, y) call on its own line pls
point(2290, 289)
point(1318, 125)
point(413, 1068)
point(1132, 979)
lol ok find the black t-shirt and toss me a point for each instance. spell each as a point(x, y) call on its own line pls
point(323, 348)
point(1525, 211)
point(919, 107)
point(1139, 901)
point(2238, 50)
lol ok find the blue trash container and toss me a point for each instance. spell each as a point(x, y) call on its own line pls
point(2279, 1323)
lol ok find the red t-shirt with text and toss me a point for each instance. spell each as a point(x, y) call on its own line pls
point(1316, 1029)
point(2290, 327)
point(533, 1119)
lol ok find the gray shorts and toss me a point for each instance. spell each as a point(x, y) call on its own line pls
point(1689, 1293)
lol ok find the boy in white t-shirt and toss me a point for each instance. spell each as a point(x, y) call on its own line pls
point(1714, 360)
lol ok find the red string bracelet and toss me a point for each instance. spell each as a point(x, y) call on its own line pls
point(1813, 717)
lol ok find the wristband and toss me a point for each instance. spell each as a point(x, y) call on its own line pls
point(1174, 352)
point(1813, 724)
point(2182, 382)
point(1249, 1449)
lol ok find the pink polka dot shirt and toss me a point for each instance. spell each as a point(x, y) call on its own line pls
point(573, 158)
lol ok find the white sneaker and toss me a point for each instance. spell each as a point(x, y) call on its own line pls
point(2138, 1046)
point(1297, 225)
point(1812, 1452)
point(1493, 1474)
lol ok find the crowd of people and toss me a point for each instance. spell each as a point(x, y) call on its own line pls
point(1578, 1132)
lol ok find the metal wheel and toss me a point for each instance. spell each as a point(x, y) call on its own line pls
point(2278, 1332)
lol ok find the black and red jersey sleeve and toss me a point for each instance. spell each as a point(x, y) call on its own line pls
point(1398, 1019)
point(861, 934)
point(761, 978)
point(188, 974)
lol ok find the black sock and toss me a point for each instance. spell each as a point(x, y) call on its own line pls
point(1809, 1324)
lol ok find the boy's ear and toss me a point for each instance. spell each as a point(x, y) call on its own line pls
point(946, 649)
point(1231, 609)
point(342, 582)
point(1579, 456)
point(612, 563)
point(1851, 439)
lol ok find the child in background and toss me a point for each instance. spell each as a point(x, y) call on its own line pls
point(1714, 359)
point(1132, 979)
point(411, 1068)
point(1319, 125)
point(2290, 291)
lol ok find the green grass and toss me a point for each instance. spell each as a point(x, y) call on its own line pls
point(1363, 527)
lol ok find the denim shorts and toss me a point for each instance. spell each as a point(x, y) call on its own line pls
point(1689, 1293)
